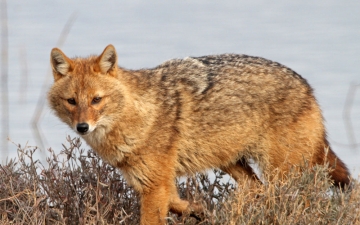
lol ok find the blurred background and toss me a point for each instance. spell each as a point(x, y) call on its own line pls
point(318, 39)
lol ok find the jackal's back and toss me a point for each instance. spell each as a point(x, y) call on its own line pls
point(226, 105)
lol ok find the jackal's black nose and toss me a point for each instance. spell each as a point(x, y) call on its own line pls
point(82, 127)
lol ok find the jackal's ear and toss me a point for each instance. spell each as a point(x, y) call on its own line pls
point(60, 63)
point(107, 61)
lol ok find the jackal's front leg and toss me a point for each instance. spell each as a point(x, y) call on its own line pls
point(157, 201)
point(155, 205)
point(157, 188)
point(180, 206)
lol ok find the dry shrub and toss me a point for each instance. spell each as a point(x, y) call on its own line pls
point(304, 198)
point(77, 187)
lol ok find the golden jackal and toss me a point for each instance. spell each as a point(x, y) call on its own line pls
point(189, 115)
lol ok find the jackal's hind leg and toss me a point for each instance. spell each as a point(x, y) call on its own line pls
point(241, 171)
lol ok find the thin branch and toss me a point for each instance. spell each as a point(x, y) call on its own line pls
point(39, 137)
point(347, 115)
point(24, 75)
point(4, 80)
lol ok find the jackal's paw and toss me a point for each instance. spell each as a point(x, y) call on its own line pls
point(197, 211)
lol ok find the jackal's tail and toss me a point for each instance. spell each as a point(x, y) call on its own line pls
point(339, 172)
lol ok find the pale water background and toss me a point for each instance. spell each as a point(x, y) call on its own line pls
point(318, 39)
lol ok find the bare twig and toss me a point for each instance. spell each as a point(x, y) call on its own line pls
point(14, 196)
point(24, 75)
point(40, 139)
point(347, 115)
point(4, 80)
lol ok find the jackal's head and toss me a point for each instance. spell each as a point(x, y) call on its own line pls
point(86, 93)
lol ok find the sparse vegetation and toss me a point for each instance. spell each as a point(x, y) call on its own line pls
point(77, 187)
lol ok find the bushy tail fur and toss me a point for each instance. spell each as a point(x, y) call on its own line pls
point(339, 172)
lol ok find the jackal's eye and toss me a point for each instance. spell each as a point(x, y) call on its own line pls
point(71, 101)
point(96, 100)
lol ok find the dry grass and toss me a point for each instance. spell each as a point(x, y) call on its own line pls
point(77, 187)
